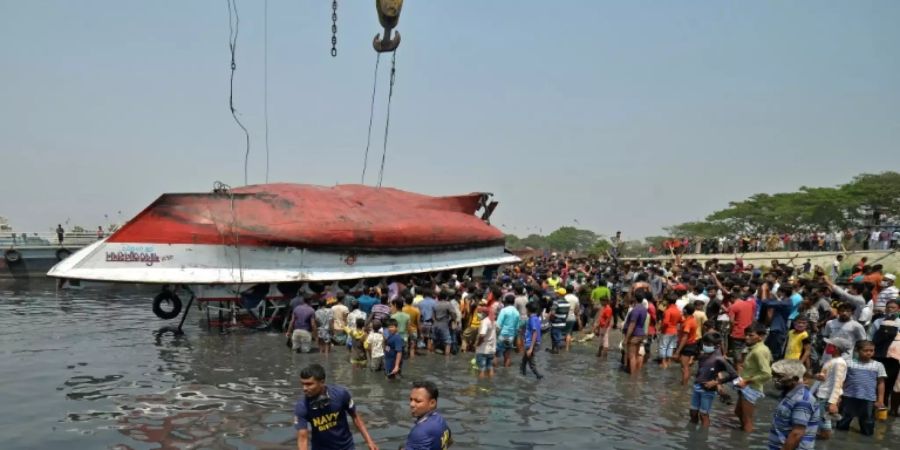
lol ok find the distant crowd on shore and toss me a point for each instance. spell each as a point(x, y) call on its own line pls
point(820, 241)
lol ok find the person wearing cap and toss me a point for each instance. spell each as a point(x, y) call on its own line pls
point(888, 293)
point(831, 383)
point(795, 421)
point(558, 314)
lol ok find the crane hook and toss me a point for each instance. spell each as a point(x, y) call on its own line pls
point(388, 16)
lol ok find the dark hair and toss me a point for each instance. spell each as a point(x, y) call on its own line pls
point(688, 309)
point(313, 371)
point(756, 328)
point(509, 299)
point(360, 323)
point(846, 306)
point(391, 322)
point(429, 387)
point(532, 308)
point(864, 343)
point(712, 338)
point(398, 304)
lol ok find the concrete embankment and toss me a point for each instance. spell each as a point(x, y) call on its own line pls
point(890, 259)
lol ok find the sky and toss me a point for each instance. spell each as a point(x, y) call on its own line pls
point(606, 115)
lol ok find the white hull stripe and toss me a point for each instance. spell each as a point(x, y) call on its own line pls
point(210, 264)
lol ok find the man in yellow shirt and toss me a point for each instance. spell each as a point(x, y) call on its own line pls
point(413, 331)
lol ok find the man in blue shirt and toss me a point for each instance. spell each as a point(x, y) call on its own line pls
point(532, 340)
point(795, 421)
point(430, 431)
point(324, 409)
point(393, 350)
point(508, 324)
point(367, 301)
point(426, 316)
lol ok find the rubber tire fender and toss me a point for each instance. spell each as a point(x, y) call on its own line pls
point(167, 297)
point(12, 256)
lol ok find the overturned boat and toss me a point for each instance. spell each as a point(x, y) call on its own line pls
point(230, 239)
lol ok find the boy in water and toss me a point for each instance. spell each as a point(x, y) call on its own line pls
point(375, 347)
point(604, 323)
point(357, 336)
point(532, 340)
point(757, 370)
point(393, 351)
point(798, 342)
point(687, 344)
point(863, 390)
point(486, 344)
point(830, 384)
point(712, 371)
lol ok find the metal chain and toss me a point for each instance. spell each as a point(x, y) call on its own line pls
point(334, 28)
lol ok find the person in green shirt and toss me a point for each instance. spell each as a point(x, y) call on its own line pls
point(600, 292)
point(756, 371)
point(402, 319)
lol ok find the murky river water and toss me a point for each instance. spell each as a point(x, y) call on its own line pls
point(82, 370)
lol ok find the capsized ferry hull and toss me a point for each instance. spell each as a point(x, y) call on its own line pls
point(289, 232)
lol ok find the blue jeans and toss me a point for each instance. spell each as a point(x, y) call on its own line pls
point(484, 361)
point(702, 399)
point(557, 335)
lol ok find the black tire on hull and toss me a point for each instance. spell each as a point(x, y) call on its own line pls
point(169, 298)
point(12, 256)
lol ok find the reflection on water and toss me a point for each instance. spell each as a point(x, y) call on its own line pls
point(82, 370)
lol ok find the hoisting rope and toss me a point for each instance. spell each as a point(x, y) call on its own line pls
point(362, 179)
point(233, 24)
point(266, 79)
point(387, 122)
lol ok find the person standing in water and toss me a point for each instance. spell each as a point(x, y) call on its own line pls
point(430, 432)
point(320, 417)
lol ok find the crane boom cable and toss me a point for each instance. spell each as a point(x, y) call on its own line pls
point(233, 27)
point(387, 122)
point(266, 79)
point(371, 117)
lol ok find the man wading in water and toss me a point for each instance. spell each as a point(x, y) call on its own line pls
point(324, 408)
point(430, 431)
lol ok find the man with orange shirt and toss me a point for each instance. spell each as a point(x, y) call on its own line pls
point(687, 344)
point(669, 340)
point(875, 278)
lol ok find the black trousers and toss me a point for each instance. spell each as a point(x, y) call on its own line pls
point(526, 360)
point(864, 410)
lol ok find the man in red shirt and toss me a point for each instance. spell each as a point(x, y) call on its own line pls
point(741, 314)
point(601, 329)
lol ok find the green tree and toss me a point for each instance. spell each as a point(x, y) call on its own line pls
point(571, 238)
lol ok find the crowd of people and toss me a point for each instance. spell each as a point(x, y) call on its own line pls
point(822, 241)
point(828, 340)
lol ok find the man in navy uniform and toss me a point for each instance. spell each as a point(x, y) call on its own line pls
point(430, 431)
point(324, 409)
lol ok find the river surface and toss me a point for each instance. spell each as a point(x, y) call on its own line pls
point(82, 370)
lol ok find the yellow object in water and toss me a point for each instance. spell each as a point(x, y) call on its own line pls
point(881, 414)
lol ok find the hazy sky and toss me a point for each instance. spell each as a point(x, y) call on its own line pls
point(626, 115)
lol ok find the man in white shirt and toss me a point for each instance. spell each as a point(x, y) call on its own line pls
point(873, 240)
point(836, 267)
